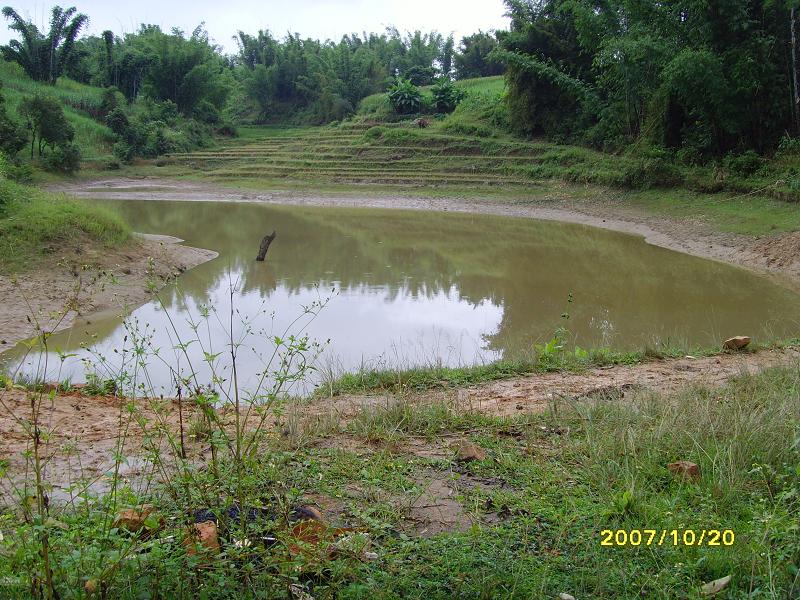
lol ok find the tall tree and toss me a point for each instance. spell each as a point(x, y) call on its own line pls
point(44, 57)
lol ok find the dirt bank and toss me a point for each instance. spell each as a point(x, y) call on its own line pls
point(52, 297)
point(83, 431)
point(777, 256)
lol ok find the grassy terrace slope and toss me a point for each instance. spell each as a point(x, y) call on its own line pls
point(399, 158)
point(396, 155)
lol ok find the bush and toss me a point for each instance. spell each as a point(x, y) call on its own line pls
point(405, 97)
point(228, 130)
point(743, 165)
point(118, 122)
point(110, 100)
point(65, 158)
point(446, 96)
point(461, 127)
point(653, 169)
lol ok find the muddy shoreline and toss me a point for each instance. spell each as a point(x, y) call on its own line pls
point(777, 257)
point(71, 288)
point(92, 421)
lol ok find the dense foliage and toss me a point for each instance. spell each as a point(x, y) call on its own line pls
point(44, 57)
point(475, 58)
point(12, 135)
point(702, 78)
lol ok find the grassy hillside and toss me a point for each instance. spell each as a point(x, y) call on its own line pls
point(35, 225)
point(471, 153)
point(81, 103)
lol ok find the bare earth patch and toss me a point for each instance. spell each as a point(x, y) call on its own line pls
point(84, 429)
point(77, 286)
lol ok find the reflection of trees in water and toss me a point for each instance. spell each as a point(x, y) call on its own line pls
point(527, 267)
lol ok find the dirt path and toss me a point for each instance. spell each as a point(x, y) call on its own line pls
point(777, 256)
point(51, 298)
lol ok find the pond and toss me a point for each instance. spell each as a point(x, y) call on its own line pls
point(410, 288)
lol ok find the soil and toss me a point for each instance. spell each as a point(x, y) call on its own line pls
point(80, 286)
point(82, 430)
point(777, 255)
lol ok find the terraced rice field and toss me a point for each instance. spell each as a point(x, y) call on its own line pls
point(389, 155)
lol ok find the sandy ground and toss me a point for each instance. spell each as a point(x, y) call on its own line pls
point(777, 256)
point(50, 299)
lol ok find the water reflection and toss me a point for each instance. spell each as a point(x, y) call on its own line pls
point(419, 287)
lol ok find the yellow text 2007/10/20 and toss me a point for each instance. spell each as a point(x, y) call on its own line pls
point(662, 537)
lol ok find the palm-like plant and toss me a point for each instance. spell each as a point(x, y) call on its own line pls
point(44, 57)
point(405, 97)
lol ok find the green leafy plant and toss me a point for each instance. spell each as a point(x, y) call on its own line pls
point(406, 98)
point(446, 96)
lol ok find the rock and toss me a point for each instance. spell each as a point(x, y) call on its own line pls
point(307, 513)
point(736, 343)
point(370, 556)
point(565, 596)
point(299, 593)
point(468, 452)
point(685, 469)
point(202, 537)
point(133, 519)
point(712, 588)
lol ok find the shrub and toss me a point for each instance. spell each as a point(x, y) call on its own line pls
point(118, 122)
point(653, 169)
point(110, 100)
point(65, 158)
point(446, 96)
point(406, 98)
point(743, 165)
point(12, 135)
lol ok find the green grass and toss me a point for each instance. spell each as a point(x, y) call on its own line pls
point(549, 486)
point(81, 104)
point(418, 379)
point(35, 225)
point(470, 153)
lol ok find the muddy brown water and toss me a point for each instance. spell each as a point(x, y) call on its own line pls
point(404, 288)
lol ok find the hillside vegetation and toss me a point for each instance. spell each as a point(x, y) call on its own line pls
point(82, 106)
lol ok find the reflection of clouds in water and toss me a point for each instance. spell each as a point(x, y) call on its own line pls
point(602, 324)
point(362, 322)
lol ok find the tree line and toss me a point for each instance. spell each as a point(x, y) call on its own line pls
point(696, 77)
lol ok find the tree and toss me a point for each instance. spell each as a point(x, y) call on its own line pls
point(474, 57)
point(12, 135)
point(46, 122)
point(700, 78)
point(44, 57)
point(446, 60)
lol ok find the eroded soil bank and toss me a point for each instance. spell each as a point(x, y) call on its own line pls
point(54, 297)
point(84, 430)
point(776, 255)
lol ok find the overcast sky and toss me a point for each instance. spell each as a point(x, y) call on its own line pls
point(321, 19)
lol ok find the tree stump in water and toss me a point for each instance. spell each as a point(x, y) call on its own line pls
point(262, 252)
